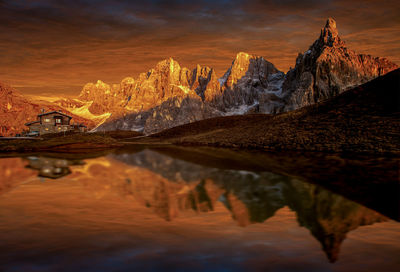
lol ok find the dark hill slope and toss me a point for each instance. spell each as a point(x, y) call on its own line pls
point(363, 119)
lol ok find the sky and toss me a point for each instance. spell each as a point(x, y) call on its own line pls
point(52, 47)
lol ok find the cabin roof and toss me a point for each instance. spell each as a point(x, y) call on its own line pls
point(31, 123)
point(51, 112)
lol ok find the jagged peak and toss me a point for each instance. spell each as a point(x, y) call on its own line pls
point(330, 34)
point(330, 28)
point(330, 23)
point(101, 84)
point(245, 56)
point(241, 59)
point(88, 87)
point(202, 69)
point(126, 83)
point(241, 55)
point(128, 80)
point(169, 63)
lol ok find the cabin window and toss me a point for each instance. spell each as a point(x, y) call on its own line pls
point(47, 120)
point(58, 121)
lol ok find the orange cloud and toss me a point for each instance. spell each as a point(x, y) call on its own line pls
point(50, 47)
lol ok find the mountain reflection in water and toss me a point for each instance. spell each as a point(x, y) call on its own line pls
point(172, 189)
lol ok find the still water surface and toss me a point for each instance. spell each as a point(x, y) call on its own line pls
point(176, 210)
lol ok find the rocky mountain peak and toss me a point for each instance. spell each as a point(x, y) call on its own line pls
point(201, 71)
point(331, 24)
point(242, 59)
point(243, 56)
point(237, 70)
point(90, 90)
point(247, 67)
point(101, 84)
point(328, 68)
point(169, 64)
point(126, 86)
point(127, 81)
point(330, 35)
point(204, 79)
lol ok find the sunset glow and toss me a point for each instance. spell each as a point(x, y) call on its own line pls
point(55, 47)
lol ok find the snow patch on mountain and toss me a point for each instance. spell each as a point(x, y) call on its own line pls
point(240, 110)
point(185, 89)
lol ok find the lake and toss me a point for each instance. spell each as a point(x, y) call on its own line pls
point(198, 209)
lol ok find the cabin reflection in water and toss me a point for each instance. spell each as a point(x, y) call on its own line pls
point(53, 168)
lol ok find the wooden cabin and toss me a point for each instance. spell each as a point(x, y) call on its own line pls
point(53, 122)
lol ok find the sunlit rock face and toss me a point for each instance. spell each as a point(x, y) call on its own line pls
point(328, 68)
point(15, 110)
point(165, 81)
point(247, 69)
point(205, 83)
point(249, 78)
point(166, 96)
point(104, 98)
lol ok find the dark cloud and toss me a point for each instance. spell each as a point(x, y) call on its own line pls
point(68, 43)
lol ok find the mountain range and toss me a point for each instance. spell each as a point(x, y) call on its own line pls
point(365, 118)
point(170, 95)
